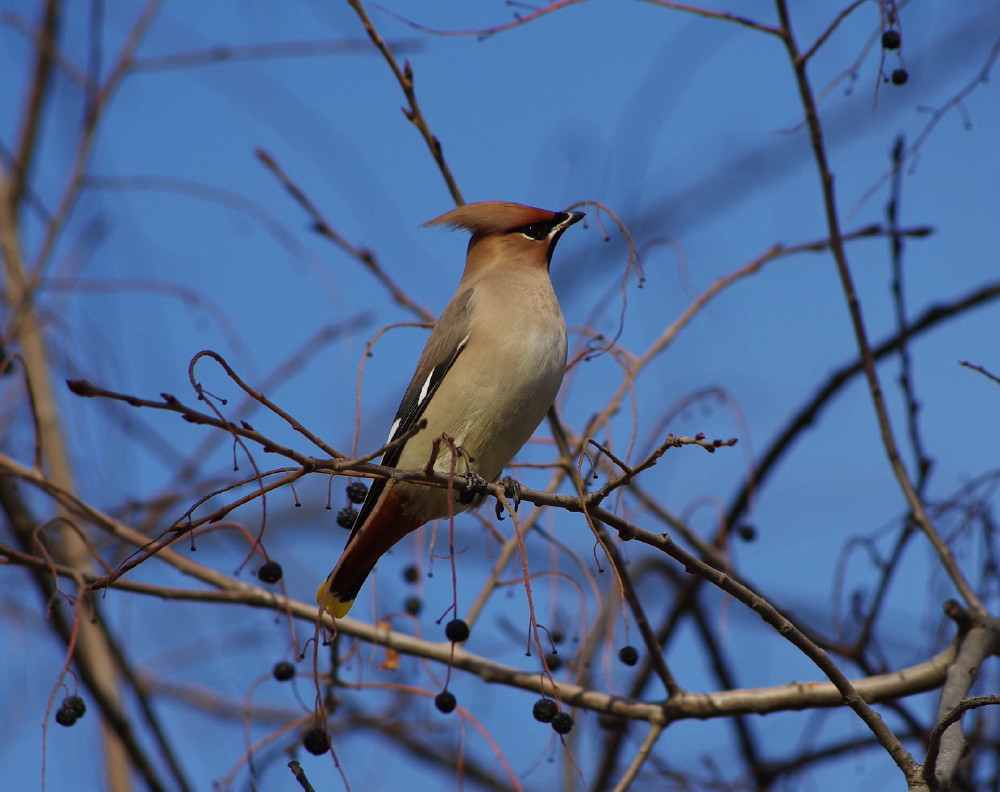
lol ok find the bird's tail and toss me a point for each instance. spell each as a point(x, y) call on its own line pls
point(386, 525)
point(338, 603)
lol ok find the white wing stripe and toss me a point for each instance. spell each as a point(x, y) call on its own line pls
point(426, 388)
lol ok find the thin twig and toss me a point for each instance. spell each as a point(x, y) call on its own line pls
point(980, 369)
point(404, 76)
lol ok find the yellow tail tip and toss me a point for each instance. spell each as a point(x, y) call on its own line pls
point(332, 603)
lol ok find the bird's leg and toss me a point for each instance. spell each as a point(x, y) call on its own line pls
point(511, 491)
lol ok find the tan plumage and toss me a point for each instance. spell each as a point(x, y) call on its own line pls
point(490, 370)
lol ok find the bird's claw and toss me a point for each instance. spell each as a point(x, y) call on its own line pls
point(475, 486)
point(511, 491)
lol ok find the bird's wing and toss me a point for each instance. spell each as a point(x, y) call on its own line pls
point(445, 344)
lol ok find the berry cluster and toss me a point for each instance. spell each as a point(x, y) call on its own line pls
point(71, 710)
point(547, 711)
point(890, 42)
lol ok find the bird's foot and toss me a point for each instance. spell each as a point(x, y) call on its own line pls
point(511, 491)
point(475, 487)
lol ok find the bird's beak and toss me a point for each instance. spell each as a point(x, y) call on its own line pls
point(566, 219)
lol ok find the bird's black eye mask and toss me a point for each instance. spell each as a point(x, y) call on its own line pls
point(543, 229)
point(536, 231)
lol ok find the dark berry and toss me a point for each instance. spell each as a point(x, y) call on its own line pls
point(557, 636)
point(346, 517)
point(628, 655)
point(74, 706)
point(899, 77)
point(411, 574)
point(64, 717)
point(544, 710)
point(316, 741)
point(413, 605)
point(357, 492)
point(445, 701)
point(890, 40)
point(456, 631)
point(269, 572)
point(283, 671)
point(562, 723)
point(747, 532)
point(553, 662)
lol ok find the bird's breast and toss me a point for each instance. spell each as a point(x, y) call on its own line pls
point(499, 390)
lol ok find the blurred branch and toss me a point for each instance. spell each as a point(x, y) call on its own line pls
point(93, 113)
point(87, 641)
point(31, 113)
point(443, 755)
point(922, 461)
point(806, 415)
point(204, 192)
point(91, 648)
point(322, 227)
point(229, 53)
point(652, 735)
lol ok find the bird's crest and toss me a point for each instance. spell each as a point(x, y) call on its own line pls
point(492, 217)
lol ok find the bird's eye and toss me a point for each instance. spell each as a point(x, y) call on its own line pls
point(536, 231)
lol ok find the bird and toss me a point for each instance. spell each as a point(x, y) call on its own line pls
point(489, 372)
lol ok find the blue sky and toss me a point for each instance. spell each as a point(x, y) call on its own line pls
point(689, 129)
